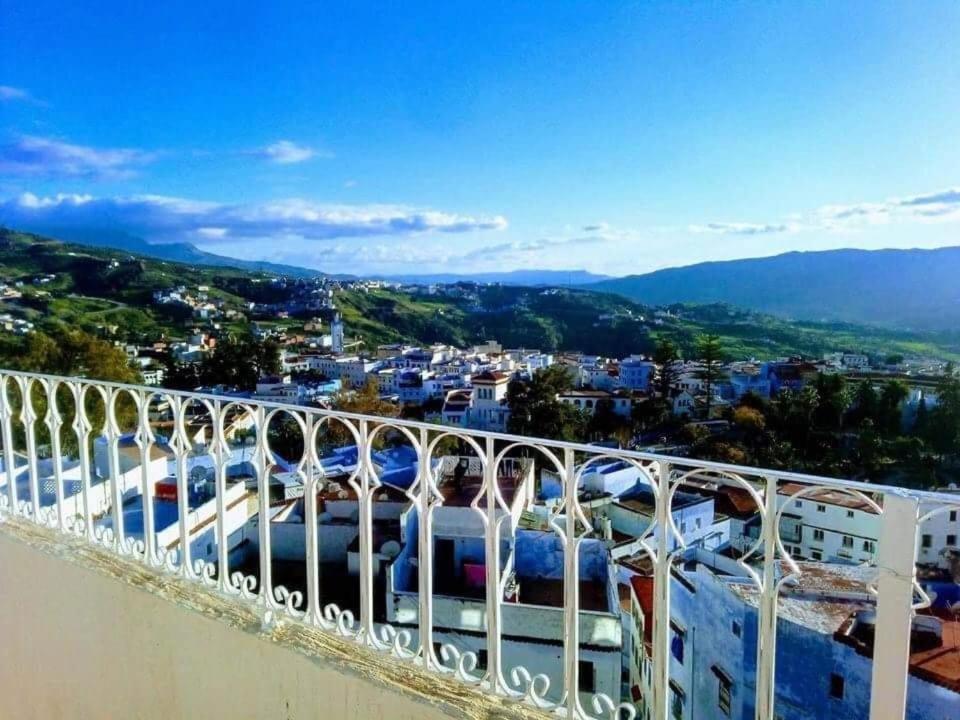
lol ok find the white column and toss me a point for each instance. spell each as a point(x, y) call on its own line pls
point(897, 568)
point(661, 599)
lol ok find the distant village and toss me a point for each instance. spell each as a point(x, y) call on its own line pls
point(827, 613)
point(467, 387)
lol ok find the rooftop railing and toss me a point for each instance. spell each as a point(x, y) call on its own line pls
point(124, 461)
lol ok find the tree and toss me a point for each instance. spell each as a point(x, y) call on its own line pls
point(833, 401)
point(749, 419)
point(605, 421)
point(536, 410)
point(710, 353)
point(363, 401)
point(892, 395)
point(74, 353)
point(866, 404)
point(921, 421)
point(664, 355)
point(943, 430)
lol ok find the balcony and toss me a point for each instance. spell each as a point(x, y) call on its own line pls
point(504, 586)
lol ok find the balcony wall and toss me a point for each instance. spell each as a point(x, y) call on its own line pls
point(86, 634)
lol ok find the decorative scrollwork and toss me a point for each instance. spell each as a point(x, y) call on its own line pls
point(135, 547)
point(47, 515)
point(205, 572)
point(397, 642)
point(533, 689)
point(289, 601)
point(105, 536)
point(168, 560)
point(604, 707)
point(341, 620)
point(75, 524)
point(244, 585)
point(461, 663)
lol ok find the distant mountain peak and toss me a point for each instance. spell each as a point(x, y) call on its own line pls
point(895, 288)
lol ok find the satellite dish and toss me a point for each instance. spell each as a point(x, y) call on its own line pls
point(390, 549)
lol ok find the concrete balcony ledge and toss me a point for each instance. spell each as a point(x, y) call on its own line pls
point(85, 633)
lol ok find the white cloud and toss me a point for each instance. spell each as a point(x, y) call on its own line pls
point(33, 156)
point(159, 218)
point(939, 206)
point(8, 92)
point(286, 152)
point(526, 252)
point(739, 228)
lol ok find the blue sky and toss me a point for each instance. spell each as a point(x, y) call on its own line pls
point(616, 137)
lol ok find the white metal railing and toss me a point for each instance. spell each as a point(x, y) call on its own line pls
point(39, 413)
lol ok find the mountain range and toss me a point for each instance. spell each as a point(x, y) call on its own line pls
point(182, 252)
point(186, 252)
point(905, 289)
point(526, 278)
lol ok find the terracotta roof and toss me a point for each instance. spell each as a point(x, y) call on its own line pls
point(828, 496)
point(490, 376)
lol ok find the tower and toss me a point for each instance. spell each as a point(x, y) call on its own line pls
point(336, 334)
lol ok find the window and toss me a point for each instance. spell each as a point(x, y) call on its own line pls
point(821, 508)
point(818, 535)
point(951, 540)
point(723, 696)
point(481, 660)
point(736, 629)
point(847, 541)
point(683, 527)
point(836, 686)
point(816, 555)
point(849, 513)
point(676, 645)
point(586, 681)
point(953, 516)
point(868, 546)
point(677, 696)
point(926, 541)
point(798, 503)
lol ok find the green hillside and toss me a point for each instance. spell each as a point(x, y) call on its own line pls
point(109, 292)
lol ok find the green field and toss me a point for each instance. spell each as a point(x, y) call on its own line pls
point(109, 292)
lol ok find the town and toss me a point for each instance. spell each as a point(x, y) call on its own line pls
point(166, 493)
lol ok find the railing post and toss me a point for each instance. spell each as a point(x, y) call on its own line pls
point(364, 500)
point(82, 428)
point(146, 443)
point(310, 485)
point(261, 464)
point(113, 460)
point(29, 415)
point(767, 623)
point(9, 457)
point(661, 599)
point(494, 597)
point(571, 588)
point(181, 450)
point(55, 422)
point(897, 568)
point(425, 551)
point(218, 453)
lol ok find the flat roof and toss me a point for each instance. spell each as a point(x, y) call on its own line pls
point(827, 496)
